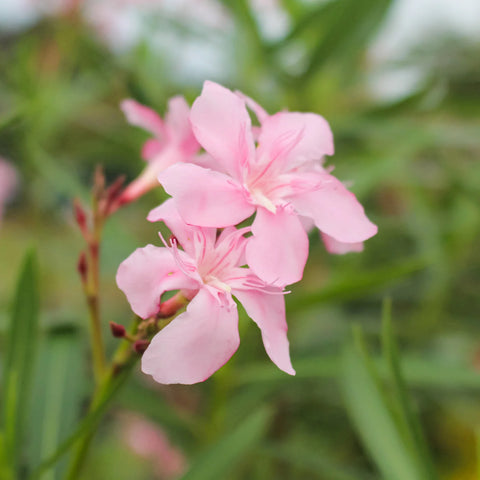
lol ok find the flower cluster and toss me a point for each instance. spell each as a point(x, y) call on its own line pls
point(221, 171)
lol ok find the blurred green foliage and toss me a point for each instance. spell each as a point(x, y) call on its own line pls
point(415, 167)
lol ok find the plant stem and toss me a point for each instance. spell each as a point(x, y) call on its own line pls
point(122, 362)
point(92, 294)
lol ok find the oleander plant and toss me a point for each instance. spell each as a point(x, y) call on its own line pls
point(227, 252)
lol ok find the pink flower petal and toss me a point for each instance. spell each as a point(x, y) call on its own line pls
point(185, 233)
point(143, 117)
point(148, 179)
point(257, 109)
point(278, 250)
point(222, 125)
point(195, 345)
point(205, 197)
point(146, 274)
point(339, 248)
point(230, 246)
point(179, 127)
point(336, 211)
point(151, 148)
point(268, 312)
point(295, 138)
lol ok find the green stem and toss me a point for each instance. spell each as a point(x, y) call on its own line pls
point(122, 362)
point(98, 350)
point(92, 293)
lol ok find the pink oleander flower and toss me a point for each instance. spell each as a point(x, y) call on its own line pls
point(149, 441)
point(8, 183)
point(209, 272)
point(275, 171)
point(173, 141)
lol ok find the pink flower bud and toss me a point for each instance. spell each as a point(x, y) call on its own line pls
point(118, 331)
point(82, 266)
point(140, 346)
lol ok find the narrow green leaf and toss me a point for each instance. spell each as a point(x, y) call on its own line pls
point(368, 408)
point(347, 27)
point(58, 390)
point(419, 372)
point(60, 178)
point(407, 419)
point(6, 472)
point(220, 459)
point(87, 425)
point(356, 285)
point(20, 350)
point(310, 459)
point(181, 426)
point(310, 18)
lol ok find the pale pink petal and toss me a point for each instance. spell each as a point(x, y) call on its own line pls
point(267, 310)
point(257, 109)
point(194, 345)
point(179, 128)
point(295, 138)
point(148, 179)
point(167, 156)
point(278, 250)
point(204, 160)
point(146, 274)
point(205, 197)
point(339, 248)
point(151, 148)
point(143, 117)
point(185, 233)
point(308, 223)
point(222, 125)
point(229, 251)
point(335, 211)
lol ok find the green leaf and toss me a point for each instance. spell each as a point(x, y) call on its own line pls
point(20, 350)
point(59, 177)
point(88, 423)
point(406, 417)
point(357, 284)
point(181, 426)
point(222, 457)
point(371, 414)
point(427, 373)
point(347, 26)
point(58, 390)
point(317, 461)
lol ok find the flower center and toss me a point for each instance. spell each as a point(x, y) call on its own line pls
point(216, 283)
point(260, 199)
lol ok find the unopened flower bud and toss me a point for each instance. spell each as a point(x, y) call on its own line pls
point(171, 306)
point(141, 345)
point(113, 196)
point(80, 216)
point(82, 266)
point(118, 331)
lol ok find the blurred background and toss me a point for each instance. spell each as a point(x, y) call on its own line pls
point(399, 82)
